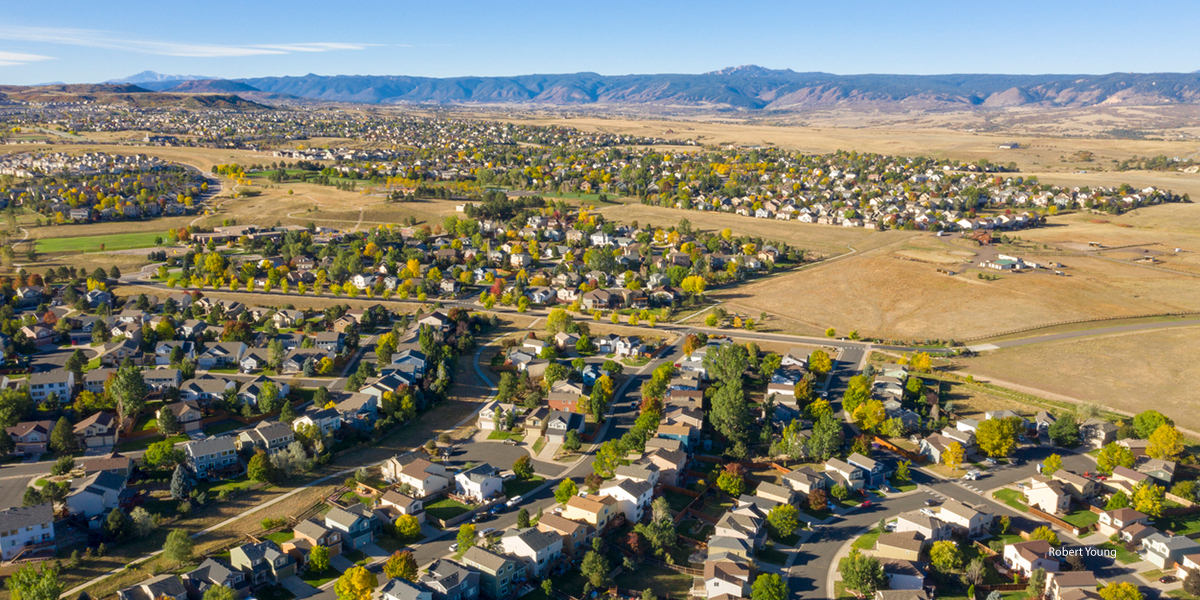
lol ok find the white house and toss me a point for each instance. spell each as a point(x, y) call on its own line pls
point(96, 494)
point(478, 483)
point(537, 549)
point(633, 497)
point(26, 528)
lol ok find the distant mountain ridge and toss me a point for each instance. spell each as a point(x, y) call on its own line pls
point(747, 87)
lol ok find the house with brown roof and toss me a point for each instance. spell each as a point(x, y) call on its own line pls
point(1081, 488)
point(97, 431)
point(1026, 557)
point(424, 477)
point(186, 412)
point(594, 510)
point(575, 534)
point(31, 437)
point(1112, 521)
point(1049, 496)
point(1065, 585)
point(905, 545)
point(726, 577)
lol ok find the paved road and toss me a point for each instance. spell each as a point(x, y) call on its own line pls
point(1100, 331)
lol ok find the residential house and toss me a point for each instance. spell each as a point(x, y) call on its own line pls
point(932, 528)
point(575, 535)
point(900, 545)
point(965, 518)
point(1188, 564)
point(263, 562)
point(1070, 585)
point(903, 574)
point(494, 414)
point(684, 434)
point(559, 423)
point(314, 534)
point(729, 548)
point(205, 389)
point(186, 412)
point(27, 529)
point(96, 494)
point(633, 497)
point(97, 431)
point(1110, 522)
point(594, 510)
point(327, 420)
point(536, 548)
point(744, 522)
point(31, 437)
point(329, 341)
point(403, 504)
point(1049, 496)
point(726, 577)
point(1026, 557)
point(358, 410)
point(1162, 470)
point(498, 575)
point(271, 436)
point(160, 380)
point(875, 472)
point(841, 472)
point(60, 383)
point(403, 589)
point(213, 572)
point(1165, 551)
point(1096, 432)
point(357, 524)
point(213, 458)
point(114, 463)
point(804, 480)
point(424, 477)
point(479, 483)
point(450, 581)
point(670, 463)
point(639, 471)
point(164, 587)
point(1081, 488)
point(221, 355)
point(777, 493)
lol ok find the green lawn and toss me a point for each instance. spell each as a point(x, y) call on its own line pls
point(1182, 595)
point(222, 427)
point(351, 498)
point(696, 530)
point(1181, 524)
point(519, 487)
point(1081, 518)
point(539, 444)
point(504, 435)
point(230, 485)
point(116, 241)
point(392, 544)
point(867, 540)
point(357, 557)
point(1013, 498)
point(818, 515)
point(446, 509)
point(906, 486)
point(143, 443)
point(677, 501)
point(663, 581)
point(280, 537)
point(146, 422)
point(319, 578)
point(1155, 574)
point(716, 509)
point(274, 592)
point(1123, 556)
point(771, 555)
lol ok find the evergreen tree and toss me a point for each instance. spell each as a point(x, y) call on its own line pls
point(181, 484)
point(63, 439)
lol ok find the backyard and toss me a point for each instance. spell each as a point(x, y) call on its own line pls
point(446, 509)
point(665, 582)
point(1013, 498)
point(520, 487)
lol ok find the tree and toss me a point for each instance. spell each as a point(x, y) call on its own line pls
point(840, 491)
point(1120, 590)
point(863, 574)
point(523, 467)
point(953, 455)
point(921, 362)
point(558, 320)
point(466, 538)
point(1037, 583)
point(995, 438)
point(1045, 533)
point(817, 500)
point(1147, 422)
point(595, 568)
point(1148, 499)
point(129, 390)
point(1052, 464)
point(357, 583)
point(819, 362)
point(407, 527)
point(1166, 443)
point(318, 559)
point(401, 564)
point(902, 470)
point(63, 439)
point(31, 583)
point(268, 397)
point(1119, 499)
point(1111, 456)
point(181, 484)
point(168, 422)
point(142, 523)
point(731, 481)
point(768, 586)
point(565, 491)
point(522, 518)
point(1191, 583)
point(62, 466)
point(117, 525)
point(975, 573)
point(260, 468)
point(783, 519)
point(827, 437)
point(178, 547)
point(288, 413)
point(219, 592)
point(946, 556)
point(1064, 431)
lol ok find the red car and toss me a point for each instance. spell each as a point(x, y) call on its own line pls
point(867, 504)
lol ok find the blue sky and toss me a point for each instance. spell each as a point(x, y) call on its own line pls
point(78, 41)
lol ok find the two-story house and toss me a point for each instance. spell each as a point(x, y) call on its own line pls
point(1110, 522)
point(357, 524)
point(479, 483)
point(450, 581)
point(95, 494)
point(536, 548)
point(932, 528)
point(403, 589)
point(213, 458)
point(27, 531)
point(164, 587)
point(271, 436)
point(317, 534)
point(499, 576)
point(596, 511)
point(263, 562)
point(422, 476)
point(97, 431)
point(187, 414)
point(874, 471)
point(559, 423)
point(1026, 557)
point(576, 536)
point(633, 497)
point(31, 437)
point(1164, 551)
point(838, 471)
point(213, 572)
point(726, 578)
point(60, 383)
point(965, 519)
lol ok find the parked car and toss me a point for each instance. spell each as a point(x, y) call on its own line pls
point(889, 527)
point(867, 504)
point(990, 460)
point(558, 510)
point(454, 547)
point(931, 502)
point(1168, 579)
point(486, 531)
point(499, 508)
point(515, 501)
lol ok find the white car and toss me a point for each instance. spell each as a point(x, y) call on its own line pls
point(927, 512)
point(558, 511)
point(514, 501)
point(485, 532)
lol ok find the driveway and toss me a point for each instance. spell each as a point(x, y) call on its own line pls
point(341, 563)
point(374, 551)
point(297, 587)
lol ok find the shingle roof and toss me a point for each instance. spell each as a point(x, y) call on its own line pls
point(17, 518)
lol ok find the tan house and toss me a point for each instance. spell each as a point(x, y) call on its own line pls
point(97, 431)
point(424, 477)
point(965, 518)
point(1058, 584)
point(932, 528)
point(902, 546)
point(596, 511)
point(575, 534)
point(186, 412)
point(1081, 488)
point(1115, 520)
point(31, 437)
point(1049, 496)
point(1026, 557)
point(804, 480)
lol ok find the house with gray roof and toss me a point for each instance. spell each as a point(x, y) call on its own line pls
point(213, 458)
point(402, 589)
point(450, 581)
point(166, 587)
point(499, 576)
point(27, 529)
point(479, 483)
point(213, 572)
point(357, 524)
point(537, 549)
point(262, 562)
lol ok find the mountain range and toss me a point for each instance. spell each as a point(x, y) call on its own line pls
point(749, 88)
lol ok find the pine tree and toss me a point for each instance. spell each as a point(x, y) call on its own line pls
point(181, 484)
point(63, 439)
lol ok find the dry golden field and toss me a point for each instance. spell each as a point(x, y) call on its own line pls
point(1129, 371)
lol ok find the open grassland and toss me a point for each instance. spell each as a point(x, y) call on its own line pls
point(1128, 371)
point(112, 241)
point(883, 295)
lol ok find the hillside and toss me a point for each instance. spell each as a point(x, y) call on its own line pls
point(211, 86)
point(122, 94)
point(752, 88)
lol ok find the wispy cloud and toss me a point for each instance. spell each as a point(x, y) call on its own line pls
point(91, 38)
point(12, 59)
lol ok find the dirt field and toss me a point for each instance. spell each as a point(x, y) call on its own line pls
point(1129, 372)
point(880, 294)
